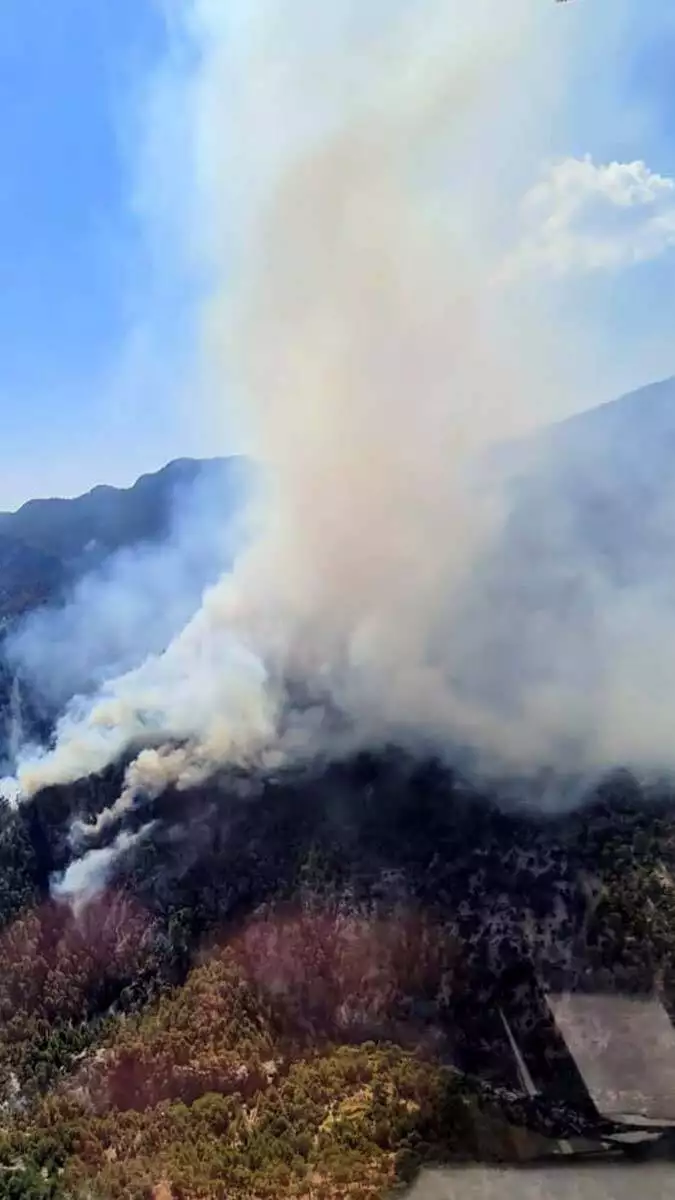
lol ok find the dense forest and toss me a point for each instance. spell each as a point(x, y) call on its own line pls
point(278, 994)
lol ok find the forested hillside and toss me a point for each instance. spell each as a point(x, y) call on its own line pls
point(290, 994)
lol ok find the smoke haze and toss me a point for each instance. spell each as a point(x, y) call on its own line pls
point(352, 183)
point(137, 599)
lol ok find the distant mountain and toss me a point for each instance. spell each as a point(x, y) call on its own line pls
point(48, 543)
point(610, 472)
point(595, 493)
point(599, 478)
point(641, 419)
point(586, 561)
point(589, 496)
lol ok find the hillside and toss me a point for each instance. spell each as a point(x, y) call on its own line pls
point(295, 986)
point(296, 992)
point(47, 544)
point(602, 485)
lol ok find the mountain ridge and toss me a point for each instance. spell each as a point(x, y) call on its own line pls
point(48, 543)
point(585, 452)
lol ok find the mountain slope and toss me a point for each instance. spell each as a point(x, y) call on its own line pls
point(297, 992)
point(602, 485)
point(46, 544)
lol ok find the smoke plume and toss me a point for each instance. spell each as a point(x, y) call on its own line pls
point(349, 172)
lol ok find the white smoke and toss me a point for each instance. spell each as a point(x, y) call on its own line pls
point(138, 599)
point(86, 876)
point(356, 326)
point(361, 322)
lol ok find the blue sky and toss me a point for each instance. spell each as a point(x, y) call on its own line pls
point(93, 337)
point(81, 370)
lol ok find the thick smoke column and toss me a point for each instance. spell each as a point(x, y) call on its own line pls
point(365, 338)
